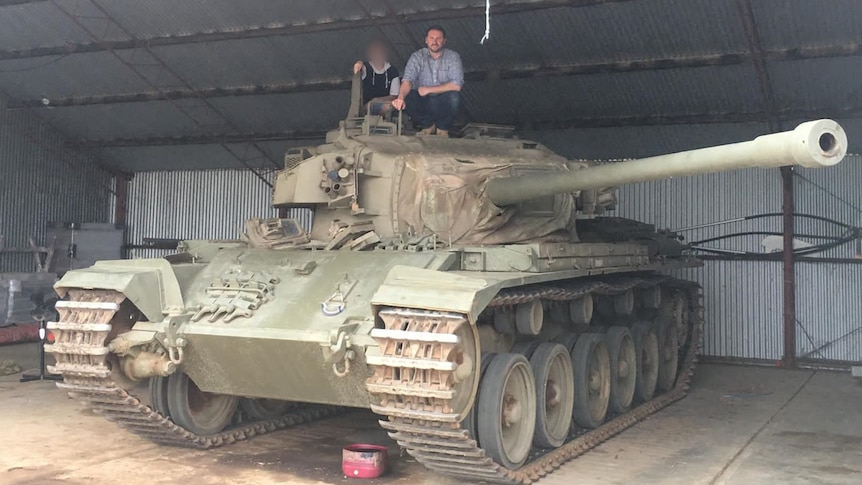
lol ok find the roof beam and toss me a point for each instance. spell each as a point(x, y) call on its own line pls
point(758, 59)
point(9, 3)
point(208, 139)
point(575, 123)
point(790, 115)
point(177, 94)
point(260, 31)
point(829, 51)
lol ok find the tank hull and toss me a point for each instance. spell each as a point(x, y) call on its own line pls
point(284, 348)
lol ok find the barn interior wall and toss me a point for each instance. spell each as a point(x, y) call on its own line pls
point(42, 181)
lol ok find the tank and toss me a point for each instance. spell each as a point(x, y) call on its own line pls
point(473, 292)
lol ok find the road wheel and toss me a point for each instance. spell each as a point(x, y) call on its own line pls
point(555, 394)
point(507, 410)
point(646, 348)
point(592, 369)
point(200, 412)
point(623, 359)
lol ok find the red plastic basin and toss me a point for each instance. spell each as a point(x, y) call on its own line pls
point(363, 461)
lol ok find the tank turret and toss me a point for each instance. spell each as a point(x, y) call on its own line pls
point(493, 190)
point(813, 144)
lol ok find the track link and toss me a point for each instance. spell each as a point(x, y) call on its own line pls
point(447, 447)
point(80, 339)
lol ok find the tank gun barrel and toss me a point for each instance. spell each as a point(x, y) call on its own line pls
point(813, 144)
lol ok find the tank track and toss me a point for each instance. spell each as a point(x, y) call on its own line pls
point(80, 349)
point(418, 421)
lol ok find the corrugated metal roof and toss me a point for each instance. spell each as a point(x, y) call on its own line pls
point(73, 75)
point(313, 57)
point(179, 157)
point(168, 17)
point(789, 23)
point(684, 91)
point(815, 83)
point(132, 120)
point(545, 37)
point(37, 24)
point(642, 141)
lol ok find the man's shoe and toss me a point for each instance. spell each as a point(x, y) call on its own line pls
point(444, 133)
point(429, 131)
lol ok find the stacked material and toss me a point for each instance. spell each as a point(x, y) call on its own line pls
point(22, 293)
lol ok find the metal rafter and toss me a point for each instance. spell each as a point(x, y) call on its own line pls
point(298, 29)
point(9, 3)
point(575, 123)
point(758, 59)
point(210, 139)
point(728, 59)
point(709, 118)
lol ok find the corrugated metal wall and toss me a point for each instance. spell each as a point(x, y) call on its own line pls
point(41, 181)
point(208, 204)
point(829, 295)
point(744, 298)
point(829, 311)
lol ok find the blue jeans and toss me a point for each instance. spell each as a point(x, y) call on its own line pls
point(434, 109)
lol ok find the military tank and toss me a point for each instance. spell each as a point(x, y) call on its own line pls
point(473, 292)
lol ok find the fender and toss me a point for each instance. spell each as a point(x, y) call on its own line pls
point(435, 290)
point(148, 283)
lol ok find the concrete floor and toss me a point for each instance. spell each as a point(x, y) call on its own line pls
point(739, 425)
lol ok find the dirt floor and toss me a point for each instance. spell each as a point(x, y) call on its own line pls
point(738, 426)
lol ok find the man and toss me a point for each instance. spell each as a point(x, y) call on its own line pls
point(431, 86)
point(380, 83)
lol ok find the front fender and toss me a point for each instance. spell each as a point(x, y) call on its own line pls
point(148, 283)
point(430, 289)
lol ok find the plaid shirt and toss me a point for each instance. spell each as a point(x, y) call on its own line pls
point(423, 70)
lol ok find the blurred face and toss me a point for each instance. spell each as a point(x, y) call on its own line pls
point(435, 41)
point(377, 53)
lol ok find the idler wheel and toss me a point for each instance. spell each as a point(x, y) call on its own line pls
point(507, 398)
point(668, 354)
point(592, 368)
point(465, 378)
point(264, 408)
point(200, 412)
point(555, 394)
point(646, 348)
point(158, 388)
point(623, 360)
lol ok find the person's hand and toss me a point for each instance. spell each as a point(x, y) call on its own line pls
point(398, 104)
point(358, 67)
point(424, 91)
